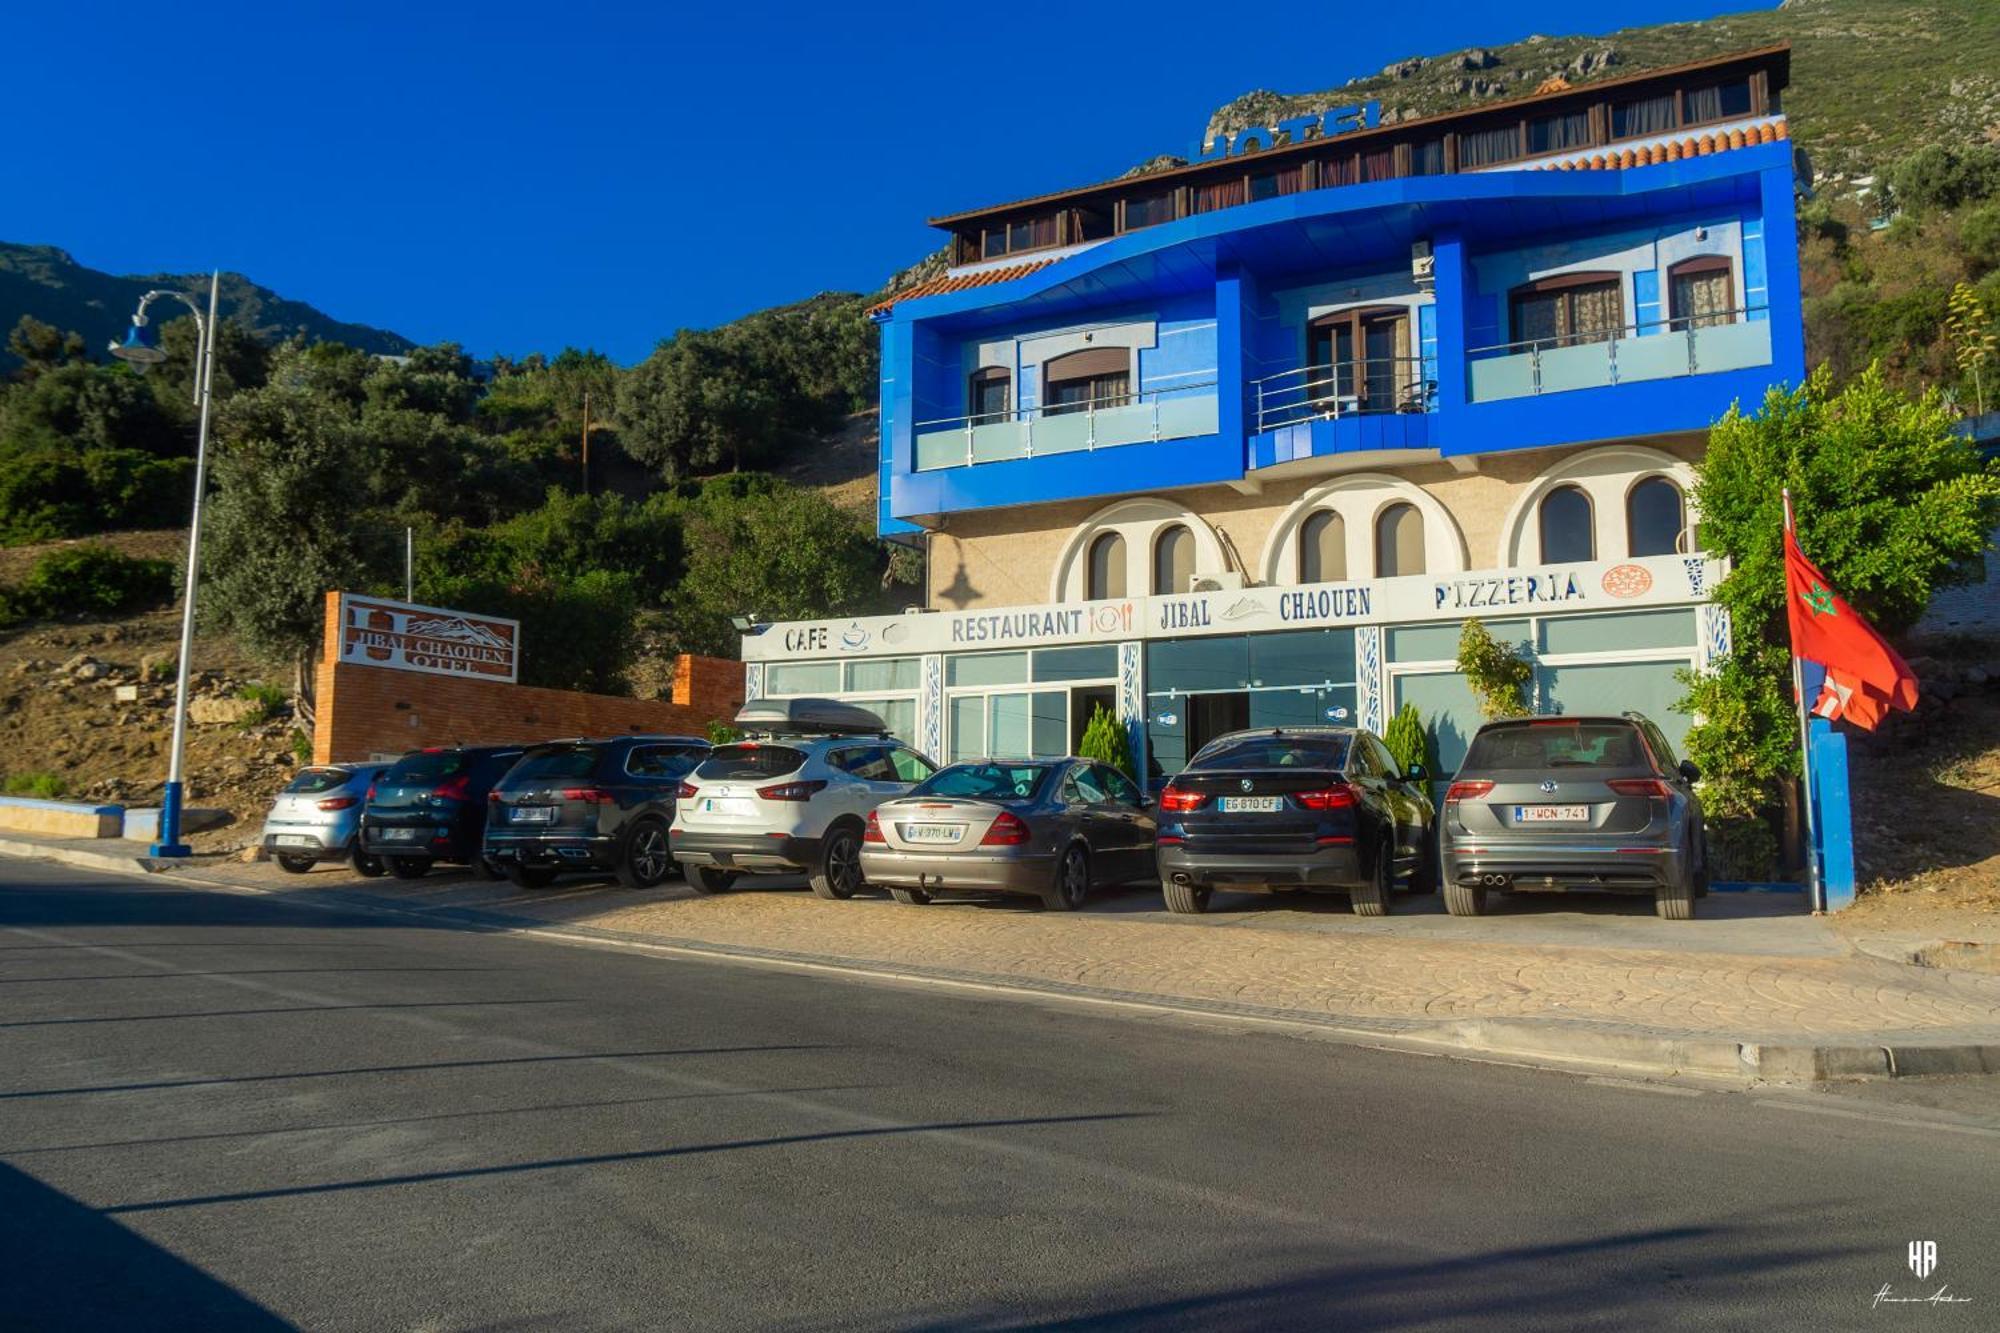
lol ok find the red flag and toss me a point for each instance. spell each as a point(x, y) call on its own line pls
point(1865, 677)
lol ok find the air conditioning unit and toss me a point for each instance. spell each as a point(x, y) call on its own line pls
point(1423, 265)
point(1230, 582)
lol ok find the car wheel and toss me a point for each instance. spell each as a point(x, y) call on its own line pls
point(409, 867)
point(709, 879)
point(838, 874)
point(1071, 884)
point(646, 860)
point(1186, 899)
point(296, 863)
point(913, 897)
point(529, 877)
point(1675, 902)
point(1372, 898)
point(1465, 899)
point(368, 867)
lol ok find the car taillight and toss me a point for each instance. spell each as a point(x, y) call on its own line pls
point(792, 791)
point(874, 830)
point(1177, 800)
point(1337, 797)
point(1466, 791)
point(1652, 787)
point(337, 803)
point(371, 791)
point(687, 791)
point(589, 795)
point(453, 789)
point(1009, 830)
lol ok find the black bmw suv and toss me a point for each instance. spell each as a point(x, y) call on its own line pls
point(590, 805)
point(431, 806)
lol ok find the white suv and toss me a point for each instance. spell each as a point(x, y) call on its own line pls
point(791, 801)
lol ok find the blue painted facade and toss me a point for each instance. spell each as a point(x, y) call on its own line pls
point(1213, 311)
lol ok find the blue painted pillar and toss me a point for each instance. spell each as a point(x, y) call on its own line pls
point(1781, 274)
point(1451, 288)
point(1833, 819)
point(1235, 316)
point(897, 440)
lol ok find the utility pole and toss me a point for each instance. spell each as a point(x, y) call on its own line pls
point(409, 564)
point(586, 442)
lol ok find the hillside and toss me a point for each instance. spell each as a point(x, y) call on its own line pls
point(49, 284)
point(1872, 80)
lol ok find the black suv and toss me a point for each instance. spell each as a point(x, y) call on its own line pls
point(431, 806)
point(590, 805)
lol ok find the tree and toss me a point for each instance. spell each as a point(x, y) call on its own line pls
point(1407, 739)
point(1938, 176)
point(700, 401)
point(1891, 504)
point(1106, 740)
point(1973, 344)
point(1496, 671)
point(41, 347)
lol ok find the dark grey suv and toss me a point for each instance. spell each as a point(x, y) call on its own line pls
point(592, 806)
point(1573, 803)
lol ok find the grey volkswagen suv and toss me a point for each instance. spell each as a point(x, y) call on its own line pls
point(1573, 803)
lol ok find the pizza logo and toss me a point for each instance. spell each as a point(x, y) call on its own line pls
point(1628, 581)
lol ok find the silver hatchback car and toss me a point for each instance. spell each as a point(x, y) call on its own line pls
point(317, 817)
point(1046, 828)
point(1573, 803)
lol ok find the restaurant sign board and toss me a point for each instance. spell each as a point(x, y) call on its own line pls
point(404, 636)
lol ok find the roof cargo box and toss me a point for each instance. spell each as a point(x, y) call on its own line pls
point(809, 717)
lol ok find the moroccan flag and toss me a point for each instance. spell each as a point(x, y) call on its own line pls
point(1865, 677)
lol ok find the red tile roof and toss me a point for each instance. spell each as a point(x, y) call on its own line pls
point(958, 282)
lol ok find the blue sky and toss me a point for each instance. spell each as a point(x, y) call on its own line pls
point(519, 176)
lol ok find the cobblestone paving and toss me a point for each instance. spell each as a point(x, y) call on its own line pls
point(1371, 974)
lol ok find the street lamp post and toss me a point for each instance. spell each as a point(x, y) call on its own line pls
point(142, 352)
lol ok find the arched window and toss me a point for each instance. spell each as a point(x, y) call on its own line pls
point(1097, 377)
point(1653, 518)
point(1568, 528)
point(1323, 548)
point(1399, 541)
point(1106, 576)
point(1701, 292)
point(987, 395)
point(1569, 309)
point(1173, 560)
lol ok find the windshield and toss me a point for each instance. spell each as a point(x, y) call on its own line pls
point(554, 761)
point(751, 760)
point(425, 770)
point(1274, 752)
point(990, 782)
point(309, 781)
point(1534, 746)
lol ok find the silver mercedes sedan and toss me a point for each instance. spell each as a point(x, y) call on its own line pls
point(1047, 828)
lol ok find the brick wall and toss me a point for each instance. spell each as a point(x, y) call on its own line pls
point(369, 710)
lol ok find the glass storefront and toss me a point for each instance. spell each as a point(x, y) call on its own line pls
point(1198, 689)
point(1025, 705)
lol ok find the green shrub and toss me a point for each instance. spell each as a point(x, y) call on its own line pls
point(1496, 671)
point(270, 700)
point(1407, 740)
point(721, 733)
point(43, 786)
point(1106, 740)
point(93, 580)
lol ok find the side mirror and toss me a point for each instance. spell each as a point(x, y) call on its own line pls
point(1689, 771)
point(1417, 773)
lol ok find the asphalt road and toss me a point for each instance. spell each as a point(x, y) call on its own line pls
point(219, 1111)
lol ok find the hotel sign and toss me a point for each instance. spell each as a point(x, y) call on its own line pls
point(403, 636)
point(1298, 129)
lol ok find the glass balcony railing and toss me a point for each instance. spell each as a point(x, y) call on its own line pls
point(1345, 388)
point(1182, 411)
point(1665, 349)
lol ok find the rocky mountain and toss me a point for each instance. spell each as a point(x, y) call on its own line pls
point(49, 284)
point(1872, 80)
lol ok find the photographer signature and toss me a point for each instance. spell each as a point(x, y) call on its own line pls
point(1942, 1296)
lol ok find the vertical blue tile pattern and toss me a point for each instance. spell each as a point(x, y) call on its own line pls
point(930, 708)
point(1756, 274)
point(1646, 300)
point(1368, 675)
point(1132, 702)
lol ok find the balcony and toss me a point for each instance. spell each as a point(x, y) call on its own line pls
point(1345, 388)
point(1657, 351)
point(1181, 411)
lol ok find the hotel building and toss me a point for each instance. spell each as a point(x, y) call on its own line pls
point(1245, 442)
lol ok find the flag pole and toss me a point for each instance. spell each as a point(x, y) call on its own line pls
point(1815, 887)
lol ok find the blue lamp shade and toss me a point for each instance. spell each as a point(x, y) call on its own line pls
point(138, 347)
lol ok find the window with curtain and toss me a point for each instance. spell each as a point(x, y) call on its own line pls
point(1719, 101)
point(1569, 533)
point(1173, 560)
point(1427, 159)
point(1098, 377)
point(1647, 115)
point(1360, 358)
point(1564, 311)
point(1701, 292)
point(1482, 148)
point(1323, 548)
point(1271, 184)
point(1399, 541)
point(1105, 576)
point(1149, 210)
point(1379, 165)
point(988, 394)
point(1218, 194)
point(1654, 517)
point(1552, 134)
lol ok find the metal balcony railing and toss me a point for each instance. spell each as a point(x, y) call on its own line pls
point(1344, 388)
point(1655, 349)
point(1178, 410)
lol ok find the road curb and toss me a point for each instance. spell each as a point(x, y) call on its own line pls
point(1556, 1043)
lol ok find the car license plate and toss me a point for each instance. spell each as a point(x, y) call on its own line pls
point(1551, 814)
point(399, 835)
point(296, 840)
point(932, 832)
point(531, 814)
point(728, 805)
point(1244, 805)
